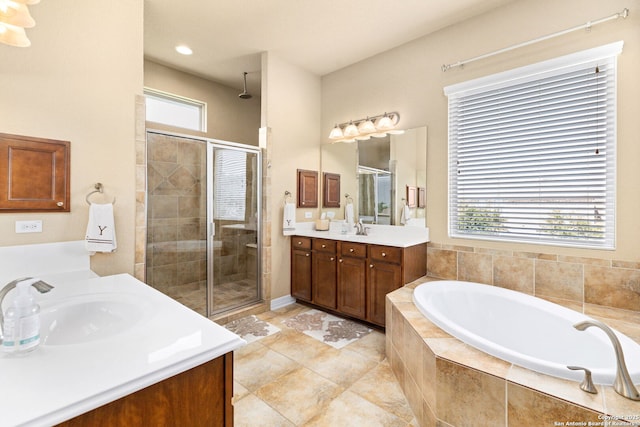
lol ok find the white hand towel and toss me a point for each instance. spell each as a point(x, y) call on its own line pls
point(289, 219)
point(406, 215)
point(348, 213)
point(101, 233)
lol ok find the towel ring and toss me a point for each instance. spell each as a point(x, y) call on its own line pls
point(287, 196)
point(99, 188)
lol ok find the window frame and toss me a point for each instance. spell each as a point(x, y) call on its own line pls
point(512, 78)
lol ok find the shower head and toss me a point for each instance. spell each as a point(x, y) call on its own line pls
point(245, 94)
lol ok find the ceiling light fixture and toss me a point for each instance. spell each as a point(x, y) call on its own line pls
point(184, 50)
point(14, 18)
point(363, 129)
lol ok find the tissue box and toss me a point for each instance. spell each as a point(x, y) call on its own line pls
point(322, 224)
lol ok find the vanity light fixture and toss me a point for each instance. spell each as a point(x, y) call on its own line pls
point(14, 18)
point(363, 129)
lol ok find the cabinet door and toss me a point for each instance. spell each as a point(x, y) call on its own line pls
point(382, 279)
point(352, 273)
point(325, 275)
point(34, 174)
point(307, 189)
point(301, 274)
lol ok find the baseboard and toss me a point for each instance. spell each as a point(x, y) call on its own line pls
point(282, 302)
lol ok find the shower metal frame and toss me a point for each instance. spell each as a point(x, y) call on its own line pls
point(212, 144)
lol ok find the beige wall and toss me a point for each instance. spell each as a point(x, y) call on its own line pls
point(291, 110)
point(78, 82)
point(408, 79)
point(229, 118)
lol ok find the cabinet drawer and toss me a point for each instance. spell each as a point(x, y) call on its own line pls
point(357, 250)
point(300, 242)
point(324, 245)
point(386, 254)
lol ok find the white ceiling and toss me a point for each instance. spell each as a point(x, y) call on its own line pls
point(321, 36)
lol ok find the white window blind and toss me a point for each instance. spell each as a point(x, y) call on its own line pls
point(230, 188)
point(532, 153)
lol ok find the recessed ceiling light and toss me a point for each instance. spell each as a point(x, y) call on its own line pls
point(185, 50)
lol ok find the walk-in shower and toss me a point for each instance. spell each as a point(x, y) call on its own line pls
point(203, 221)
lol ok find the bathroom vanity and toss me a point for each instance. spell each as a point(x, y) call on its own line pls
point(351, 274)
point(114, 351)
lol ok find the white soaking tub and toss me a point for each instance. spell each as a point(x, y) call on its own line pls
point(524, 330)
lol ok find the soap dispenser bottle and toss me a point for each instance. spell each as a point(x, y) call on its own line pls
point(22, 321)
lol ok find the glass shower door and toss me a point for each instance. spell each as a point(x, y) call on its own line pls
point(234, 175)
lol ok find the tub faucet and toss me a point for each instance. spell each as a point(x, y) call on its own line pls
point(623, 384)
point(40, 286)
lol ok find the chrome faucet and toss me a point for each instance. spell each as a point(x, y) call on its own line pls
point(40, 286)
point(361, 230)
point(623, 384)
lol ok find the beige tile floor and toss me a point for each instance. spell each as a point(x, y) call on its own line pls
point(291, 379)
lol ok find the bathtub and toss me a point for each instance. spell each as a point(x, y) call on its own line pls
point(524, 330)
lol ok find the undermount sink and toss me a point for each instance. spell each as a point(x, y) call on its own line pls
point(87, 318)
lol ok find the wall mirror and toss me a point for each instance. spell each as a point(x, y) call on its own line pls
point(375, 174)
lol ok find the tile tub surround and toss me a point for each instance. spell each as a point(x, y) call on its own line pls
point(566, 280)
point(448, 383)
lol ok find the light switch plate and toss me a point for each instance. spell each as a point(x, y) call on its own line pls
point(29, 226)
point(308, 215)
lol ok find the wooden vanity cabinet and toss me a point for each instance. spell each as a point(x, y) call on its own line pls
point(384, 276)
point(301, 268)
point(324, 272)
point(352, 279)
point(200, 396)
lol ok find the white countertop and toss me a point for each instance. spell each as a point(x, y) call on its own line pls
point(56, 383)
point(387, 235)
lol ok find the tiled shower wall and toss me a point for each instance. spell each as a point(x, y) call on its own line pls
point(176, 228)
point(570, 281)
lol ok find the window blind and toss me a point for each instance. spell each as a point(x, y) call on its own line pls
point(230, 186)
point(532, 157)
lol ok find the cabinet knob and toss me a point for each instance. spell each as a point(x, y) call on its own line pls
point(324, 246)
point(384, 254)
point(351, 250)
point(370, 265)
point(332, 258)
point(60, 204)
point(306, 254)
point(299, 243)
point(341, 260)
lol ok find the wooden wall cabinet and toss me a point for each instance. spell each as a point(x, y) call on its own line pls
point(307, 189)
point(34, 174)
point(200, 396)
point(352, 279)
point(412, 196)
point(331, 190)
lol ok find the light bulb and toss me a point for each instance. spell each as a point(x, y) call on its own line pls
point(336, 133)
point(351, 130)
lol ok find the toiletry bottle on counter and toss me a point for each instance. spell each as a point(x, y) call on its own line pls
point(22, 321)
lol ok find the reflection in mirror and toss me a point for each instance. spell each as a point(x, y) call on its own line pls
point(376, 173)
point(375, 204)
